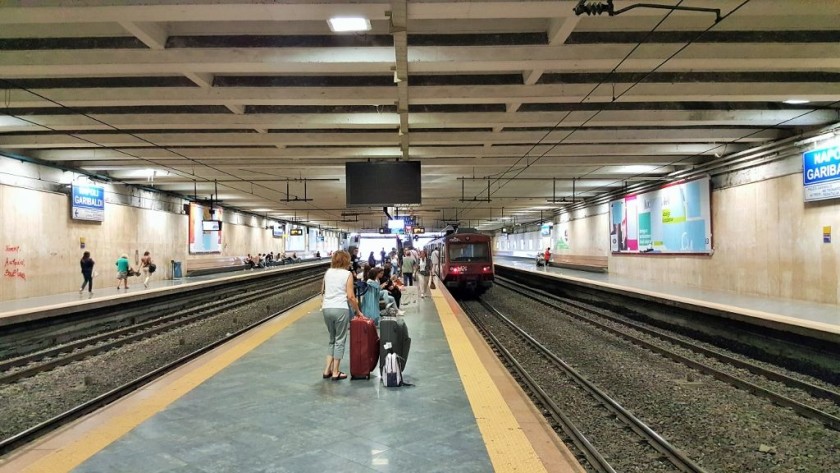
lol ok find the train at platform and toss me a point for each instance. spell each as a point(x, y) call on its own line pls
point(466, 259)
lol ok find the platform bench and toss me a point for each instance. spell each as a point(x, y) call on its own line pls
point(214, 264)
point(595, 264)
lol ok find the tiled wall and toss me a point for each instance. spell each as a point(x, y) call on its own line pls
point(41, 243)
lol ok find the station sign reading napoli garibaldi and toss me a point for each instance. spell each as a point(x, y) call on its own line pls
point(821, 173)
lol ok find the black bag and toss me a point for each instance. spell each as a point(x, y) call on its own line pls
point(393, 338)
point(152, 268)
point(360, 288)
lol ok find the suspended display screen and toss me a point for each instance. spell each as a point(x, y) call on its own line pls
point(383, 183)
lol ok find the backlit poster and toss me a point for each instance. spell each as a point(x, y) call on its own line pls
point(201, 241)
point(296, 241)
point(674, 219)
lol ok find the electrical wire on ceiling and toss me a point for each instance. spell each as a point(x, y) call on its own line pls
point(12, 84)
point(830, 106)
point(534, 159)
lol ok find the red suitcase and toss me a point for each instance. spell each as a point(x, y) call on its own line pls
point(364, 347)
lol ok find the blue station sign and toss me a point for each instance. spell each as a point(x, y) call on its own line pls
point(88, 203)
point(821, 173)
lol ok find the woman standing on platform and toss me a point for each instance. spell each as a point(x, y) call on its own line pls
point(87, 272)
point(145, 263)
point(338, 293)
point(424, 265)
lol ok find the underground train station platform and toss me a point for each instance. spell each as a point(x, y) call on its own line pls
point(58, 305)
point(259, 403)
point(787, 314)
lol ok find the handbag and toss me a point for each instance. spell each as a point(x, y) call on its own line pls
point(152, 268)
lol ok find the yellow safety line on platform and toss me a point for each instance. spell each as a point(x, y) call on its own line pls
point(508, 447)
point(72, 455)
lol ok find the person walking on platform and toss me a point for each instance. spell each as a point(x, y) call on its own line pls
point(408, 267)
point(145, 264)
point(435, 263)
point(87, 272)
point(383, 254)
point(547, 256)
point(338, 292)
point(371, 260)
point(424, 265)
point(122, 271)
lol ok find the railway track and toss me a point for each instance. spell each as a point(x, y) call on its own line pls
point(153, 371)
point(631, 330)
point(15, 369)
point(630, 429)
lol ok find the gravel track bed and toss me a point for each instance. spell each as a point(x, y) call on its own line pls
point(720, 427)
point(34, 400)
point(826, 405)
point(621, 447)
point(793, 374)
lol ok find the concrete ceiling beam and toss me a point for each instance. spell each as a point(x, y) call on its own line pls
point(203, 80)
point(358, 121)
point(235, 108)
point(422, 95)
point(592, 152)
point(58, 11)
point(153, 35)
point(559, 29)
point(418, 138)
point(423, 59)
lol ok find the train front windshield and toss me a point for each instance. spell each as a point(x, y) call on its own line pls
point(468, 252)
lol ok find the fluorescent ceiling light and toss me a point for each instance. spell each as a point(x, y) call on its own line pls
point(796, 101)
point(348, 24)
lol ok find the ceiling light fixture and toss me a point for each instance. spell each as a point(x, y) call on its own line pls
point(348, 24)
point(796, 101)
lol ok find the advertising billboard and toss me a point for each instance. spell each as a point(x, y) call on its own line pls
point(674, 219)
point(202, 239)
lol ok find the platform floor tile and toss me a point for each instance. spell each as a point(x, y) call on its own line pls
point(271, 411)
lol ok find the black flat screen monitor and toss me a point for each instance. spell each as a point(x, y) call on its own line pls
point(383, 183)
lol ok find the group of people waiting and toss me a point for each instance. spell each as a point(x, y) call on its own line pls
point(124, 270)
point(339, 293)
point(264, 260)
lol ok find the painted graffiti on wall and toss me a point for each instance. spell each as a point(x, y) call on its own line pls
point(14, 267)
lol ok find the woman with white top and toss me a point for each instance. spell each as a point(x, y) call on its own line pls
point(338, 294)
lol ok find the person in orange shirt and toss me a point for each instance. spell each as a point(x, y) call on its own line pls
point(547, 256)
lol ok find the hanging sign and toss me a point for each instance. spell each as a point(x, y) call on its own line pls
point(88, 203)
point(821, 173)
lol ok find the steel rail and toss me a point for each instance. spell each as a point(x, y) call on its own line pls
point(203, 304)
point(812, 389)
point(673, 454)
point(804, 410)
point(49, 425)
point(598, 462)
point(76, 351)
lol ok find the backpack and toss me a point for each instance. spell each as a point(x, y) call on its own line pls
point(391, 375)
point(360, 288)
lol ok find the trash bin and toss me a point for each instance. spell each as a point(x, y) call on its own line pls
point(176, 269)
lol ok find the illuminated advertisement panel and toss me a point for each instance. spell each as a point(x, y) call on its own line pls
point(201, 240)
point(674, 219)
